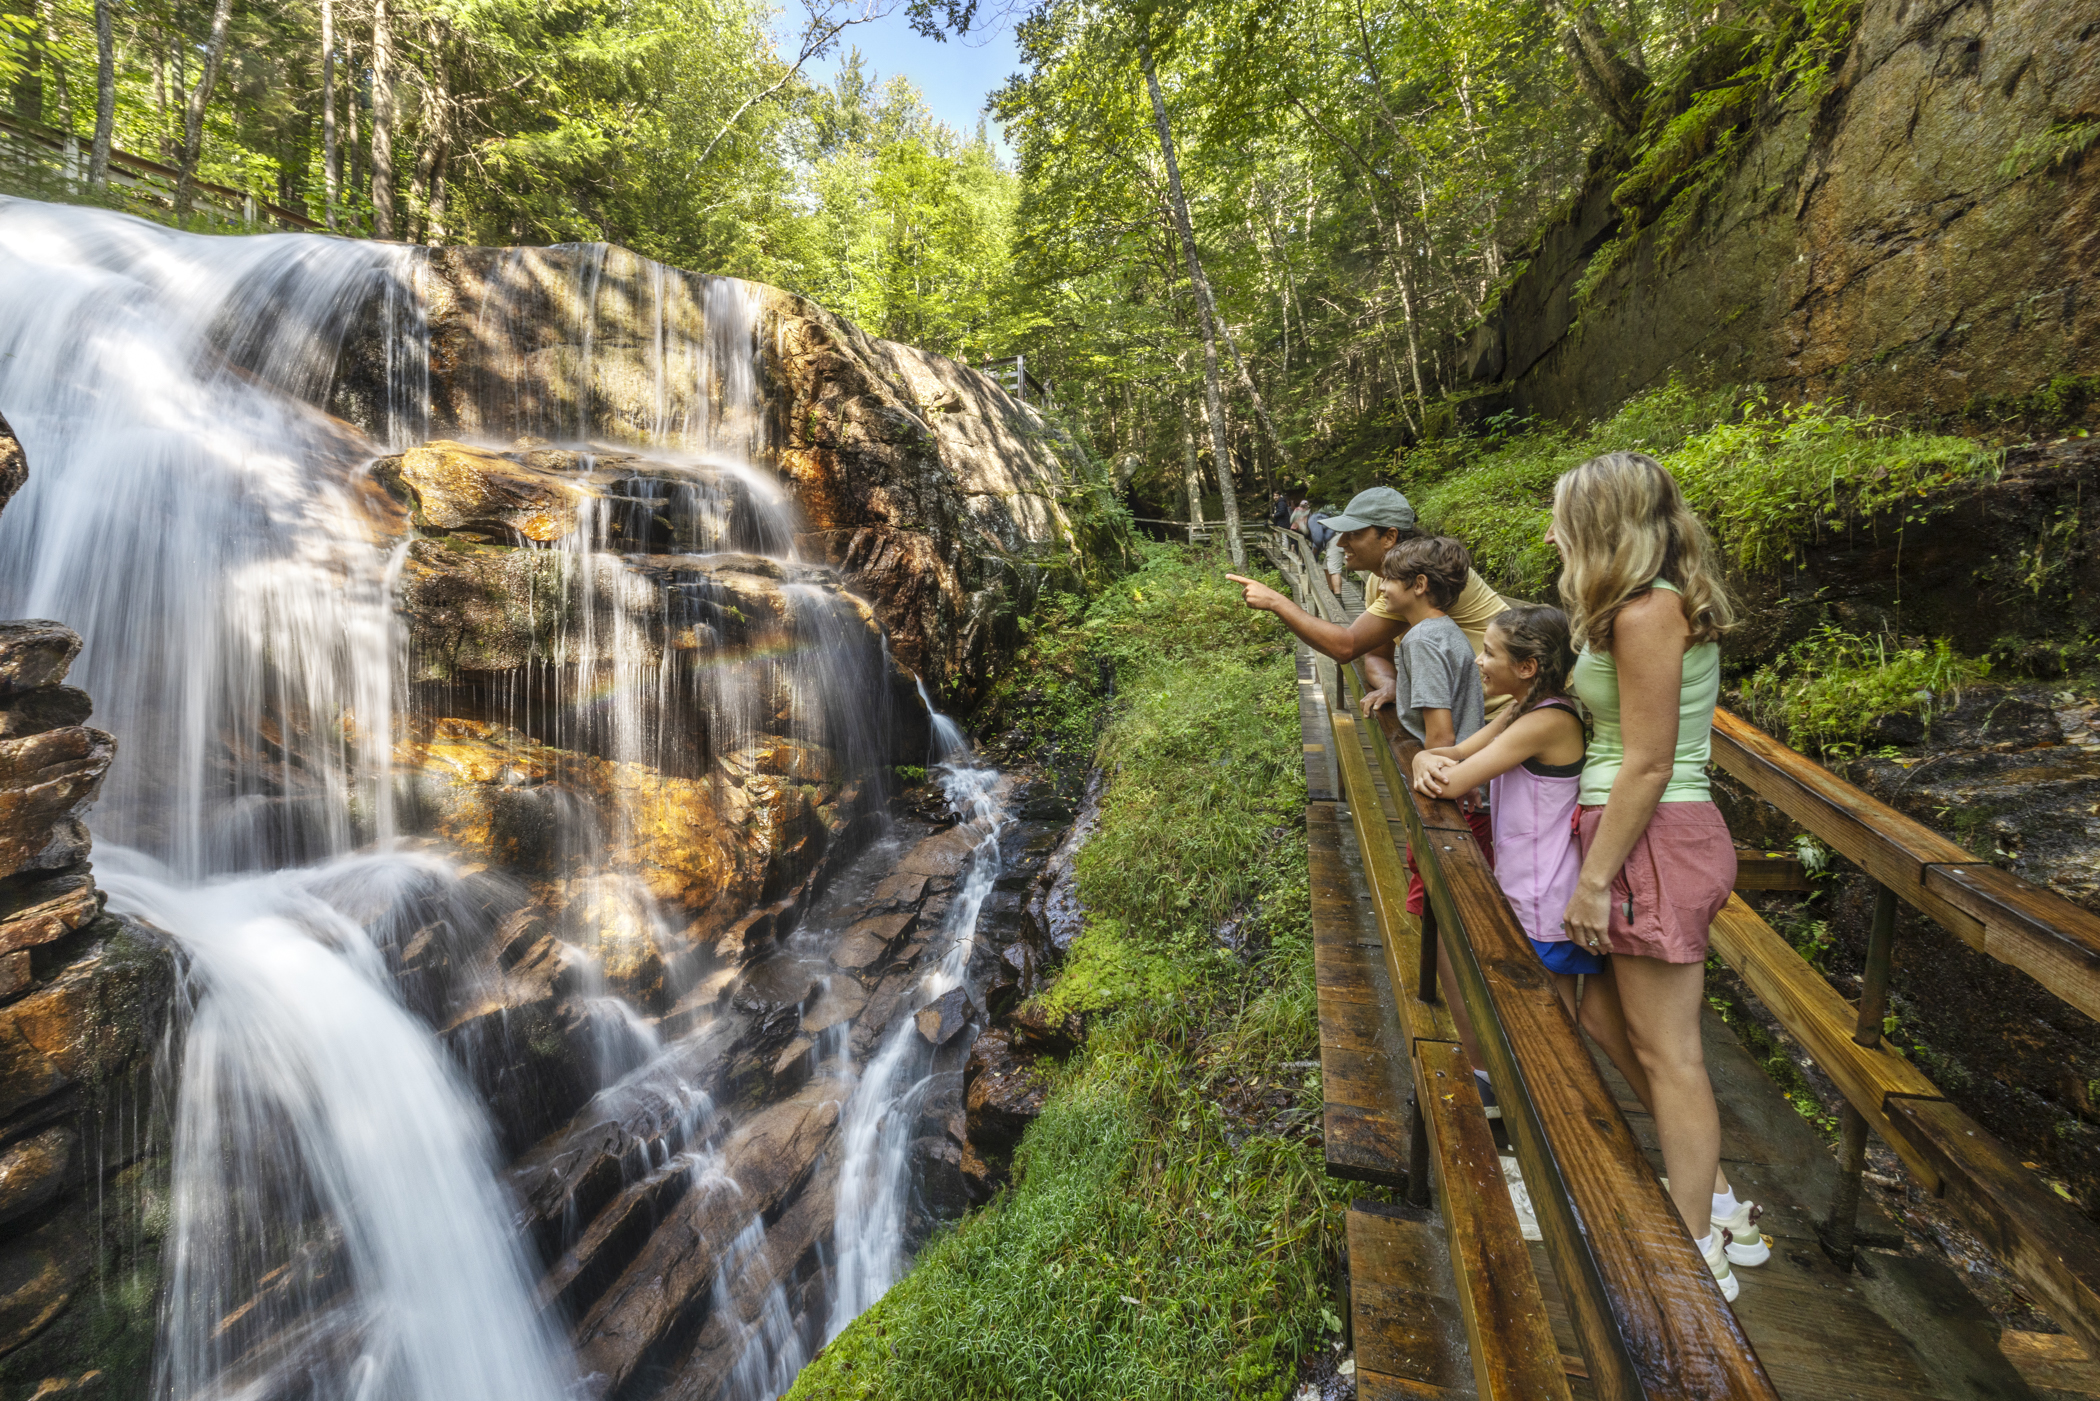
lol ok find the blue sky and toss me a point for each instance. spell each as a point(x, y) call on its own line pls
point(955, 76)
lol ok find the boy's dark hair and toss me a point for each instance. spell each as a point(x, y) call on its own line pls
point(1536, 632)
point(1443, 560)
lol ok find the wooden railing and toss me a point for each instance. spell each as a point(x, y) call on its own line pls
point(2046, 1243)
point(1012, 373)
point(1569, 1152)
point(1650, 1319)
point(62, 157)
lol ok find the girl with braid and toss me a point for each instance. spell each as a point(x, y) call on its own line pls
point(1530, 757)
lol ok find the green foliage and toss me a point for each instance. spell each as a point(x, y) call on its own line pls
point(1145, 1254)
point(1495, 492)
point(2059, 403)
point(1165, 1238)
point(1698, 126)
point(1826, 691)
point(1766, 478)
point(2051, 150)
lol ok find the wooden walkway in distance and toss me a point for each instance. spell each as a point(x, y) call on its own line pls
point(1902, 1326)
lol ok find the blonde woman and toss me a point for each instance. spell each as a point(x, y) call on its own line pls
point(1648, 613)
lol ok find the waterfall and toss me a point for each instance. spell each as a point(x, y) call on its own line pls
point(200, 512)
point(876, 1129)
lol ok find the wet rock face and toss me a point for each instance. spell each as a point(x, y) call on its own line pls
point(939, 498)
point(652, 1254)
point(14, 467)
point(1870, 243)
point(82, 1002)
point(2017, 557)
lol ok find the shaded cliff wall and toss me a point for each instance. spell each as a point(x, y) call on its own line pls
point(1870, 244)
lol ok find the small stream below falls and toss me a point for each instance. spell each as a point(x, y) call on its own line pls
point(565, 1007)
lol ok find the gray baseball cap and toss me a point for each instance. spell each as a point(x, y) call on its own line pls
point(1380, 506)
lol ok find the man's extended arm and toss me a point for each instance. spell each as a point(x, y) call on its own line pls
point(1370, 636)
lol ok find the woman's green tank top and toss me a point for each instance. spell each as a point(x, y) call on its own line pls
point(1597, 686)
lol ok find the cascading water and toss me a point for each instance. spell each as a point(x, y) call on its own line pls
point(197, 514)
point(876, 1130)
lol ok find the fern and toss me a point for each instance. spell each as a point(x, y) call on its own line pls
point(2051, 150)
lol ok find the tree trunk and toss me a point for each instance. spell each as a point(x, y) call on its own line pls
point(1611, 82)
point(426, 185)
point(193, 117)
point(331, 154)
point(1192, 471)
point(382, 125)
point(1206, 309)
point(105, 93)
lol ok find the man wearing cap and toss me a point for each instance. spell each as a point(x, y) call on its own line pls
point(1373, 522)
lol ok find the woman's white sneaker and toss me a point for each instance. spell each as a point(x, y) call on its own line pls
point(1743, 1242)
point(1717, 1261)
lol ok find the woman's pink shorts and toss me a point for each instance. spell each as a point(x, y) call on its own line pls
point(1677, 877)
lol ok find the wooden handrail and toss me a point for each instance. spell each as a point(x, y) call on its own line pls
point(140, 165)
point(2044, 1240)
point(1649, 1314)
point(1991, 910)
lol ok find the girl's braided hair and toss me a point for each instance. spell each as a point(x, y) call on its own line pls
point(1538, 632)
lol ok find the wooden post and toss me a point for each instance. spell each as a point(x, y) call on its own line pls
point(1874, 986)
point(1417, 1153)
point(1840, 1230)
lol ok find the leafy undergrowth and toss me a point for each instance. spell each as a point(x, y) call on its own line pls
point(1171, 1229)
point(1768, 479)
point(1828, 691)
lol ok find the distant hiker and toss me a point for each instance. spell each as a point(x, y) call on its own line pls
point(1280, 510)
point(1299, 512)
point(1648, 610)
point(1374, 522)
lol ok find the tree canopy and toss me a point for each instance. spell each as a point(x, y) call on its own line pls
point(1251, 229)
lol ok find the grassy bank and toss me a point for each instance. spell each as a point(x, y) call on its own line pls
point(1768, 479)
point(1171, 1231)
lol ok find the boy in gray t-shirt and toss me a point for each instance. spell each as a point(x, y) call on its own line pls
point(1438, 686)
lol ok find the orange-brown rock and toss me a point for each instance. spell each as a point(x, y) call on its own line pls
point(460, 488)
point(47, 782)
point(708, 849)
point(38, 912)
point(944, 501)
point(14, 467)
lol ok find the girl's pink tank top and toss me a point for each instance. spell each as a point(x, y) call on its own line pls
point(1536, 857)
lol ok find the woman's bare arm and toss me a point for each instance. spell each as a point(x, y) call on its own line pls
point(1648, 644)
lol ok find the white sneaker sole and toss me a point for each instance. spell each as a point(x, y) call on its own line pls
point(1748, 1255)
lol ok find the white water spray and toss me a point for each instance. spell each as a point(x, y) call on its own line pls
point(876, 1132)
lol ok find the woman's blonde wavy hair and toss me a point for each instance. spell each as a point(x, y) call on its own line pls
point(1622, 524)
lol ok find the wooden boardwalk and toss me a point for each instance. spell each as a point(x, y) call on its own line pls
point(1898, 1326)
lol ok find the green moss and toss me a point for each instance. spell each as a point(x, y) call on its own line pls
point(2051, 151)
point(108, 1325)
point(2059, 404)
point(1767, 479)
point(1107, 969)
point(1826, 691)
point(1169, 1234)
